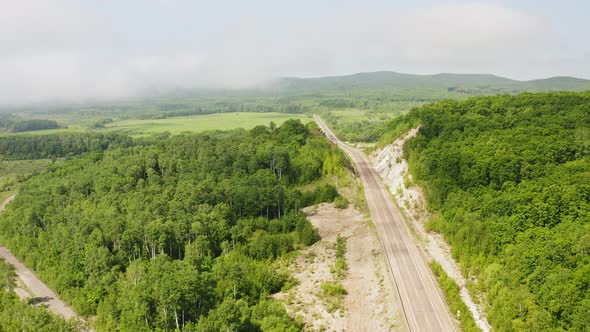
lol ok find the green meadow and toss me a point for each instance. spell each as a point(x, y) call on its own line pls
point(176, 125)
point(199, 123)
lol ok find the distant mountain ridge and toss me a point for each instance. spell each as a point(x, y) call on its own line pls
point(369, 85)
point(394, 80)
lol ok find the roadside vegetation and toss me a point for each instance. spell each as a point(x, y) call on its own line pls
point(508, 179)
point(13, 172)
point(359, 125)
point(183, 234)
point(340, 267)
point(16, 315)
point(333, 292)
point(453, 298)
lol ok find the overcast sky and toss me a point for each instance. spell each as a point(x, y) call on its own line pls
point(76, 49)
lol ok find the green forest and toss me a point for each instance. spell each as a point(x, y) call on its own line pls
point(13, 124)
point(508, 178)
point(58, 145)
point(190, 233)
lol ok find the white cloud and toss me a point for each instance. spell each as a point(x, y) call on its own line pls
point(33, 27)
point(61, 49)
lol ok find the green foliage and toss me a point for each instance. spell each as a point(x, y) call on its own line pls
point(7, 276)
point(182, 234)
point(16, 315)
point(509, 177)
point(271, 317)
point(99, 123)
point(321, 193)
point(30, 125)
point(340, 267)
point(308, 235)
point(15, 124)
point(363, 125)
point(12, 172)
point(341, 202)
point(340, 246)
point(58, 145)
point(453, 297)
point(333, 289)
point(332, 293)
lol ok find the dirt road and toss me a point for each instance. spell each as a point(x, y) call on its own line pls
point(35, 287)
point(423, 305)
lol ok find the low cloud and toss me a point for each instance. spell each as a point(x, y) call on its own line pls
point(65, 51)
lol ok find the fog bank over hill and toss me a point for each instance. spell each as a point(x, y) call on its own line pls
point(404, 86)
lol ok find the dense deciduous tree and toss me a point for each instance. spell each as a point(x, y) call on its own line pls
point(58, 145)
point(510, 179)
point(182, 234)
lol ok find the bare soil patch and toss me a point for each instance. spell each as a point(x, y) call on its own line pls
point(371, 302)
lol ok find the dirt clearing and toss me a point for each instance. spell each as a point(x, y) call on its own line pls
point(371, 302)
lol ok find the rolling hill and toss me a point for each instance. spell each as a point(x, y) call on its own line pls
point(466, 83)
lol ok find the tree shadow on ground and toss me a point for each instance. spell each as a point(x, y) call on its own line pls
point(39, 300)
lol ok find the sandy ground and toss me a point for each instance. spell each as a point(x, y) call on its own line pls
point(7, 201)
point(393, 169)
point(30, 288)
point(372, 303)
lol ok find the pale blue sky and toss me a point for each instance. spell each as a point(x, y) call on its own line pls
point(110, 48)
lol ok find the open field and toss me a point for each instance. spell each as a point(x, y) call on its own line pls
point(69, 129)
point(176, 125)
point(198, 123)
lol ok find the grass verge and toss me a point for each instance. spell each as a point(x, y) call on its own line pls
point(456, 305)
point(340, 267)
point(333, 293)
